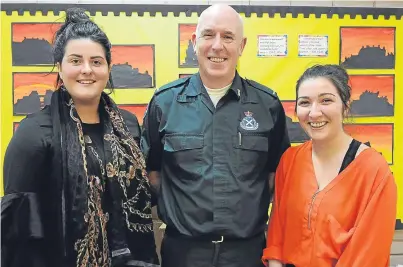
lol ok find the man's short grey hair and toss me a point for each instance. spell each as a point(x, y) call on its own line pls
point(200, 18)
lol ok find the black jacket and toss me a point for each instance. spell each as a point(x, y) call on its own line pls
point(31, 223)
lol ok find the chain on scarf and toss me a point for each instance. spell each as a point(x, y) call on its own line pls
point(127, 168)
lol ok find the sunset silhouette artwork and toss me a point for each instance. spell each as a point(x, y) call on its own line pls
point(187, 55)
point(32, 91)
point(367, 47)
point(133, 66)
point(372, 95)
point(32, 43)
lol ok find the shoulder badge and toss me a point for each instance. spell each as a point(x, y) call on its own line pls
point(262, 88)
point(173, 84)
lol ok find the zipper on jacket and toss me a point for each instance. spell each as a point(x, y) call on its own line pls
point(310, 208)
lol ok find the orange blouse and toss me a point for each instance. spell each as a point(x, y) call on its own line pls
point(350, 223)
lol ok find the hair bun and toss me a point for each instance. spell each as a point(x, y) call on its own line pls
point(76, 15)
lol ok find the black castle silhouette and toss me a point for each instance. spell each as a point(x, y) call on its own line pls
point(295, 131)
point(32, 103)
point(191, 58)
point(370, 57)
point(371, 104)
point(32, 51)
point(125, 76)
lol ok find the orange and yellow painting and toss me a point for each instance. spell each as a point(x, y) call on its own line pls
point(139, 56)
point(380, 137)
point(138, 110)
point(32, 91)
point(367, 47)
point(44, 31)
point(295, 132)
point(133, 66)
point(372, 95)
point(187, 56)
point(289, 109)
point(32, 43)
point(382, 84)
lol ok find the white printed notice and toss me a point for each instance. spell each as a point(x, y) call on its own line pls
point(272, 45)
point(313, 45)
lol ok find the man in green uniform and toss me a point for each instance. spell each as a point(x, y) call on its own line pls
point(212, 143)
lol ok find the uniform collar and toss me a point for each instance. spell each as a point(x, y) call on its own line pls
point(239, 88)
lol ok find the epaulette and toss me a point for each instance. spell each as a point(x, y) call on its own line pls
point(173, 84)
point(262, 88)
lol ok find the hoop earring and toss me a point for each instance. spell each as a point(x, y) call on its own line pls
point(62, 87)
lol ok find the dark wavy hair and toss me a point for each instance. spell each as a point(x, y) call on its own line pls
point(78, 25)
point(336, 74)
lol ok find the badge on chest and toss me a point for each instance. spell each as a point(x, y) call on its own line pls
point(248, 122)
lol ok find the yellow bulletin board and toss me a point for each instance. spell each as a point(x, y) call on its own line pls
point(151, 47)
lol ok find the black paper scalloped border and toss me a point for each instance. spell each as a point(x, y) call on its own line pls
point(129, 9)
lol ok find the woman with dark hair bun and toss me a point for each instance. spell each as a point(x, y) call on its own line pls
point(335, 198)
point(76, 189)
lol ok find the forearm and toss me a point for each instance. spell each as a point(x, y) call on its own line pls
point(372, 239)
point(274, 263)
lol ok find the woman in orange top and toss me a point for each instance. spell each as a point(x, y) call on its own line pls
point(335, 198)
